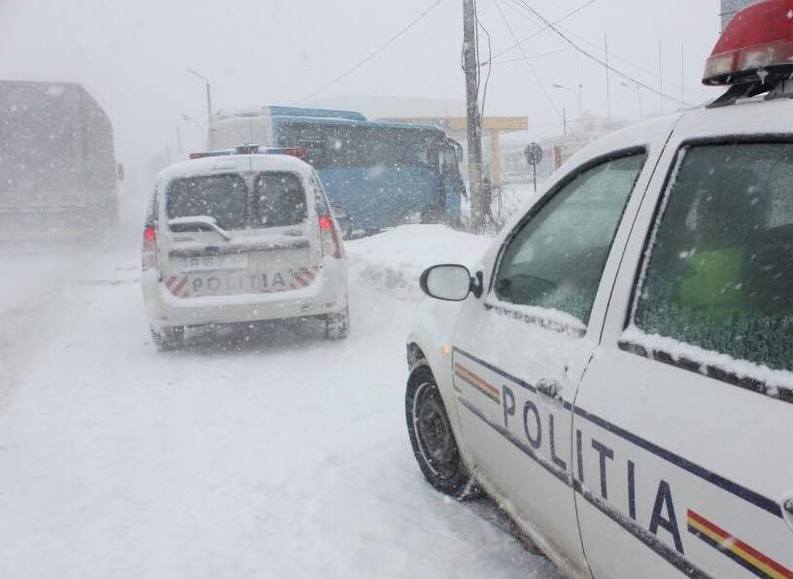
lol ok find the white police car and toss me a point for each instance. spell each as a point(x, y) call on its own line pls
point(618, 372)
point(240, 236)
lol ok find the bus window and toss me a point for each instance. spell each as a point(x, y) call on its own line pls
point(337, 146)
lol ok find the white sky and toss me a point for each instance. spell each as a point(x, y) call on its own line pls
point(132, 55)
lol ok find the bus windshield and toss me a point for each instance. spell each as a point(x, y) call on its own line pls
point(339, 145)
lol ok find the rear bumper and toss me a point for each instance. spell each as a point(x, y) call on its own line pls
point(326, 295)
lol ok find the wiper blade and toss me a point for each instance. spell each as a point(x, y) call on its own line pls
point(200, 221)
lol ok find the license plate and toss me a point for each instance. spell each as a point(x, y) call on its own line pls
point(213, 262)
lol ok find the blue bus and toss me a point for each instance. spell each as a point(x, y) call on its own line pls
point(382, 173)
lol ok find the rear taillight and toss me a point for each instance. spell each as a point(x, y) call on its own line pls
point(330, 237)
point(149, 256)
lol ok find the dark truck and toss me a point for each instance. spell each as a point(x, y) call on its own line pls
point(58, 174)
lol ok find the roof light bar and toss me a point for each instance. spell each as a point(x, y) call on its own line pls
point(299, 152)
point(757, 45)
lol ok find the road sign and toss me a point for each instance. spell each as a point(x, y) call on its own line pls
point(533, 153)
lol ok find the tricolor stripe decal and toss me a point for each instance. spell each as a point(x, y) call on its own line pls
point(303, 276)
point(477, 382)
point(177, 285)
point(743, 554)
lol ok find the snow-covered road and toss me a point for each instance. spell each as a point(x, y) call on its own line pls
point(275, 454)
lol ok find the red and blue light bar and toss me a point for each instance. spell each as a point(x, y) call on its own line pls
point(299, 152)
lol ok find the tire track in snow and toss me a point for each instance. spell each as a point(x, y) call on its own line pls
point(29, 305)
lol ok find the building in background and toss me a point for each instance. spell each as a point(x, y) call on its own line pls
point(730, 7)
point(556, 148)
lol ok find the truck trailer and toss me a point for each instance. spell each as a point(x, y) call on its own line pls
point(58, 173)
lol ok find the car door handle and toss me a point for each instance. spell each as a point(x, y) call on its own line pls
point(787, 507)
point(550, 388)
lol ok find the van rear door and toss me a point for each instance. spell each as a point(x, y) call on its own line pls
point(204, 215)
point(285, 231)
point(239, 233)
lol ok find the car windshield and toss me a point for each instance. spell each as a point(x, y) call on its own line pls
point(221, 197)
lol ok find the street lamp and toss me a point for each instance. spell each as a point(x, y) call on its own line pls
point(209, 95)
point(576, 93)
point(189, 119)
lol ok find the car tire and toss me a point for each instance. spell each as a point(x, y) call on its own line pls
point(432, 438)
point(337, 326)
point(166, 339)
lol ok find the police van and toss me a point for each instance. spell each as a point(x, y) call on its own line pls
point(617, 372)
point(241, 235)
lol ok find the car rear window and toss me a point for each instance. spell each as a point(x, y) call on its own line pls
point(721, 267)
point(279, 200)
point(224, 197)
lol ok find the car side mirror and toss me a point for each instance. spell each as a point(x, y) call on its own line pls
point(451, 283)
point(339, 212)
point(457, 149)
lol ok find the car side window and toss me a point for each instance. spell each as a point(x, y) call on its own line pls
point(556, 259)
point(721, 264)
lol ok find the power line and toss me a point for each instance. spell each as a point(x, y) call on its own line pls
point(378, 50)
point(563, 36)
point(531, 57)
point(531, 68)
point(638, 67)
point(538, 32)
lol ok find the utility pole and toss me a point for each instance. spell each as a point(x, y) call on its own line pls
point(564, 121)
point(474, 128)
point(209, 106)
point(682, 75)
point(608, 88)
point(209, 97)
point(179, 140)
point(661, 74)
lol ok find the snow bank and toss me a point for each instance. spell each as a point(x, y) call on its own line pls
point(393, 261)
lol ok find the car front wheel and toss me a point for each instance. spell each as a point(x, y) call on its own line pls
point(431, 436)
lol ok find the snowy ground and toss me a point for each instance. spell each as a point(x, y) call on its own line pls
point(275, 454)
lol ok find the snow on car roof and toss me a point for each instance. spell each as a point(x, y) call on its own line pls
point(232, 163)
